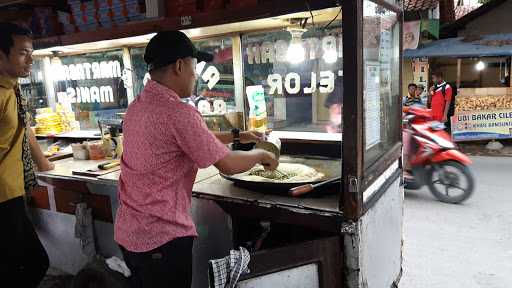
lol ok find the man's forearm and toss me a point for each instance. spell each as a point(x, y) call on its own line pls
point(238, 161)
point(446, 109)
point(37, 155)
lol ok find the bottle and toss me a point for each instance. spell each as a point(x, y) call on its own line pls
point(117, 142)
point(257, 108)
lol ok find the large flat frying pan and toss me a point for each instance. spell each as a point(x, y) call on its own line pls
point(331, 168)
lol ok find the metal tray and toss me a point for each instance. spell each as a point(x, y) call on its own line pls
point(330, 167)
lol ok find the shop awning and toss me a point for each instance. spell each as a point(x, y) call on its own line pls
point(488, 45)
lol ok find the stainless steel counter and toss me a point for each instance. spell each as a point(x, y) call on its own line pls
point(64, 170)
point(83, 134)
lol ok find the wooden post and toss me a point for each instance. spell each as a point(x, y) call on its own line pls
point(351, 201)
point(510, 73)
point(459, 66)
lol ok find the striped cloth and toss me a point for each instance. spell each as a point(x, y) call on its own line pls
point(225, 272)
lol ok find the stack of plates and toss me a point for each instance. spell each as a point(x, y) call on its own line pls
point(48, 122)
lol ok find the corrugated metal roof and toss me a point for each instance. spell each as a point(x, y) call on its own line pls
point(489, 45)
point(461, 11)
point(414, 5)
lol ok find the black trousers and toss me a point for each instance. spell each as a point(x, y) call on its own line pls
point(23, 260)
point(169, 265)
point(448, 125)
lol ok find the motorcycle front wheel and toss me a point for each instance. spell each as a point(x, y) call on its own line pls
point(450, 182)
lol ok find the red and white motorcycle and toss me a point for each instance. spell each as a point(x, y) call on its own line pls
point(433, 159)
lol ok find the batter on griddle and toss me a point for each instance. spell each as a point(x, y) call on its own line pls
point(287, 173)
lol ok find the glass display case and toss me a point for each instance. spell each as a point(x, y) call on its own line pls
point(381, 60)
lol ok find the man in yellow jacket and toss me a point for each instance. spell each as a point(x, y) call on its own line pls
point(23, 260)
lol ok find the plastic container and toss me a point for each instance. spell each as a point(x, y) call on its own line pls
point(79, 151)
point(96, 150)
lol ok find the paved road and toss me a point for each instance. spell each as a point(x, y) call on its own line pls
point(462, 246)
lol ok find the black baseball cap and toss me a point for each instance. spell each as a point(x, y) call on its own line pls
point(166, 47)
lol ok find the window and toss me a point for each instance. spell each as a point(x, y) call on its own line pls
point(33, 88)
point(140, 72)
point(215, 83)
point(300, 74)
point(91, 85)
point(381, 80)
point(214, 96)
point(215, 80)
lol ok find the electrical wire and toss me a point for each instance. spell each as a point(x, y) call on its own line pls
point(304, 23)
point(335, 17)
point(311, 12)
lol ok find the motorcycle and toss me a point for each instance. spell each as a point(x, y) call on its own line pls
point(433, 159)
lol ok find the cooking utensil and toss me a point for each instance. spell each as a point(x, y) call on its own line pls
point(109, 165)
point(271, 144)
point(282, 174)
point(96, 171)
point(330, 167)
point(303, 189)
point(280, 188)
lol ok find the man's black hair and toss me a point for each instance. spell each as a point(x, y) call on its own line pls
point(438, 73)
point(412, 85)
point(7, 31)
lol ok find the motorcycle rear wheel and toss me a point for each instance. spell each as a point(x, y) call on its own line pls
point(449, 174)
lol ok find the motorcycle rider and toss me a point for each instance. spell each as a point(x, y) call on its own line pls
point(412, 97)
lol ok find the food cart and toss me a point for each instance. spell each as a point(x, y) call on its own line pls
point(348, 234)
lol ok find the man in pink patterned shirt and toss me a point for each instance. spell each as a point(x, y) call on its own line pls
point(165, 142)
